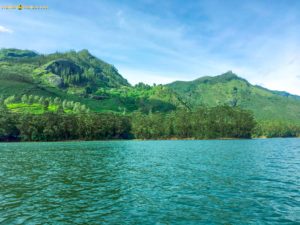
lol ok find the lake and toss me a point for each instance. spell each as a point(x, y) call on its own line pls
point(151, 182)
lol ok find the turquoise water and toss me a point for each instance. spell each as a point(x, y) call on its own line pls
point(151, 182)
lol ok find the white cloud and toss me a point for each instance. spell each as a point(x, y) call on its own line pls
point(5, 30)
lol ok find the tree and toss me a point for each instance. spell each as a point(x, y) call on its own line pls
point(46, 105)
point(57, 101)
point(41, 100)
point(64, 105)
point(77, 107)
point(60, 109)
point(10, 99)
point(24, 99)
point(30, 99)
point(8, 129)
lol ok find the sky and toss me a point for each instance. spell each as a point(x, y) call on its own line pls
point(163, 41)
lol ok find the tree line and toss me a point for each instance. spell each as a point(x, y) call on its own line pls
point(45, 102)
point(271, 129)
point(204, 123)
point(54, 126)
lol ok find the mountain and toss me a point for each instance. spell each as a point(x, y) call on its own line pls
point(64, 70)
point(230, 89)
point(81, 77)
point(74, 76)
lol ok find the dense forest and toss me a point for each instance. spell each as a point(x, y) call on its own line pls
point(204, 123)
point(38, 118)
point(34, 118)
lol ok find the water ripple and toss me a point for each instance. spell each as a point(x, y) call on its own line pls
point(152, 182)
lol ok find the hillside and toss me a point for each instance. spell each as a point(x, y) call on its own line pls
point(64, 70)
point(78, 77)
point(81, 77)
point(229, 89)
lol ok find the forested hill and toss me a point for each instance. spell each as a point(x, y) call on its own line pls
point(63, 70)
point(230, 89)
point(78, 81)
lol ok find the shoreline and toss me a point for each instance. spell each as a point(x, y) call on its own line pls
point(140, 140)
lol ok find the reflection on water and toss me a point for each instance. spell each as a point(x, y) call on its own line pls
point(151, 182)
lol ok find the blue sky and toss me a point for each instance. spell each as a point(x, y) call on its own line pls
point(163, 41)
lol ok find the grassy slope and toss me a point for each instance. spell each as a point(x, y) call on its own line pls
point(32, 108)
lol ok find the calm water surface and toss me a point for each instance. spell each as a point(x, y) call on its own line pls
point(151, 182)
